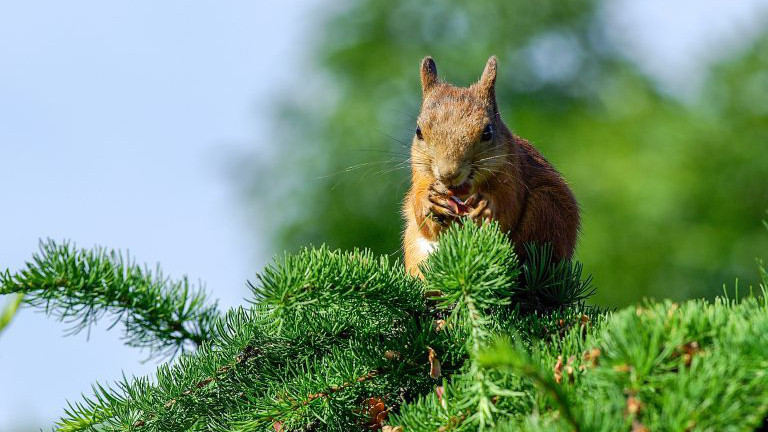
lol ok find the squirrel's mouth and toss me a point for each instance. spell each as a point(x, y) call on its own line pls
point(462, 191)
point(465, 189)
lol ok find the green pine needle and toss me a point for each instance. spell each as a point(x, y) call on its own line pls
point(80, 287)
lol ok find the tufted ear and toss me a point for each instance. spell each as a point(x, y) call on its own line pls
point(428, 75)
point(487, 83)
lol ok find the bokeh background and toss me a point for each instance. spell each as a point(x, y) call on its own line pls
point(209, 137)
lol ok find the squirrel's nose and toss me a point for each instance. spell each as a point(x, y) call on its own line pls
point(449, 175)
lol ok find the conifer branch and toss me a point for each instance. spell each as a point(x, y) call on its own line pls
point(476, 270)
point(345, 341)
point(504, 356)
point(324, 319)
point(80, 287)
point(548, 284)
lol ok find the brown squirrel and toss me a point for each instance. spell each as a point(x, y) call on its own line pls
point(465, 162)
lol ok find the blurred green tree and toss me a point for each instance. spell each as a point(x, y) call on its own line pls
point(672, 193)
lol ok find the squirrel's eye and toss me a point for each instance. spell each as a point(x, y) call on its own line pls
point(418, 133)
point(487, 133)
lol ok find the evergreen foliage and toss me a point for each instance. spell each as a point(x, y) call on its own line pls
point(344, 341)
point(696, 366)
point(81, 286)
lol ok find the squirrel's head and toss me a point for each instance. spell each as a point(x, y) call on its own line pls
point(458, 132)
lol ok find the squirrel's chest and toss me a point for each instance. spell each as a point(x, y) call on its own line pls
point(425, 246)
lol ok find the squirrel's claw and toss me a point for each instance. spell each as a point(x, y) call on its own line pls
point(441, 207)
point(470, 202)
point(442, 212)
point(481, 211)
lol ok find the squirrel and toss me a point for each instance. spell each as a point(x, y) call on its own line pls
point(465, 162)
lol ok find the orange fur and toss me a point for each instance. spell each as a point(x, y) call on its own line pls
point(522, 191)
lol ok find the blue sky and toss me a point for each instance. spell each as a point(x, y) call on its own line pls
point(118, 119)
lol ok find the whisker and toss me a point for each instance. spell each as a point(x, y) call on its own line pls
point(391, 170)
point(494, 157)
point(494, 172)
point(382, 151)
point(488, 150)
point(355, 167)
point(392, 137)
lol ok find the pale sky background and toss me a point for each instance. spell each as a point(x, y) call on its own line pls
point(117, 120)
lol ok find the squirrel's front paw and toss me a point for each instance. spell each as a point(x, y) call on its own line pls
point(480, 209)
point(441, 207)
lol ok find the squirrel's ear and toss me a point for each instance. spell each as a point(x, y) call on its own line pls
point(487, 81)
point(428, 74)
